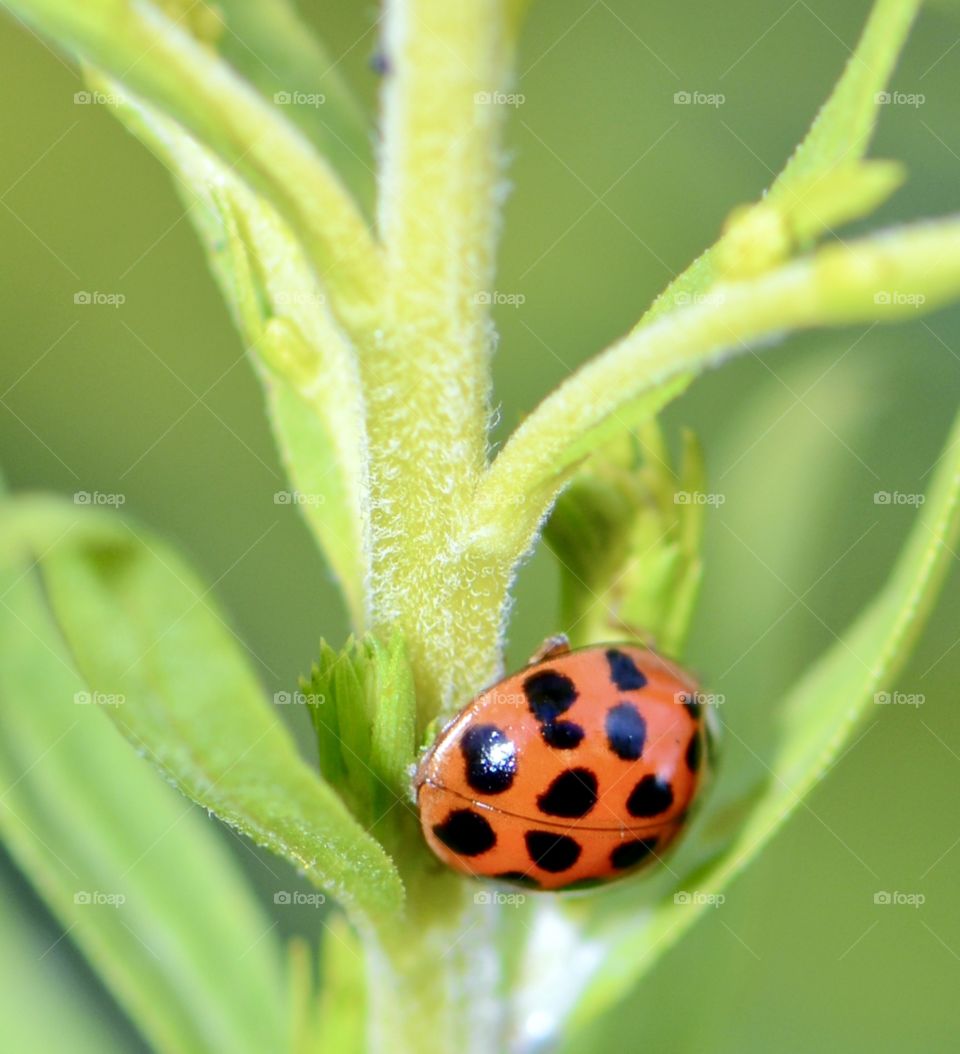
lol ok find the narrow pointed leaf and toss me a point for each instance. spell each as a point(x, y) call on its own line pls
point(138, 878)
point(621, 940)
point(269, 43)
point(305, 362)
point(139, 624)
point(838, 138)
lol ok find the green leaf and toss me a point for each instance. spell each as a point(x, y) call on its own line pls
point(820, 184)
point(182, 75)
point(761, 236)
point(41, 1000)
point(140, 625)
point(342, 1011)
point(844, 126)
point(621, 941)
point(363, 708)
point(839, 137)
point(306, 363)
point(335, 1017)
point(138, 878)
point(270, 44)
point(626, 534)
point(886, 277)
point(324, 709)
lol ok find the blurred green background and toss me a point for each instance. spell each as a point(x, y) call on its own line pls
point(616, 186)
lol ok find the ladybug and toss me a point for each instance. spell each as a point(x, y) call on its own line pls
point(578, 769)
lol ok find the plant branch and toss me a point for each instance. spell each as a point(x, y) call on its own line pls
point(842, 130)
point(839, 136)
point(888, 276)
point(141, 48)
point(427, 369)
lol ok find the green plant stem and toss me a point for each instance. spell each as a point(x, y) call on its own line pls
point(888, 276)
point(426, 368)
point(435, 981)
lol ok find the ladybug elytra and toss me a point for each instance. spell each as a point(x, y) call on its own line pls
point(580, 768)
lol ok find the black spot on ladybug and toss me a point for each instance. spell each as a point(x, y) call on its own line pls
point(552, 852)
point(465, 832)
point(549, 694)
point(562, 735)
point(650, 797)
point(627, 854)
point(694, 752)
point(572, 794)
point(518, 877)
point(691, 703)
point(624, 672)
point(626, 731)
point(491, 758)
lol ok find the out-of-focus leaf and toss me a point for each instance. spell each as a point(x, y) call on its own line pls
point(812, 189)
point(622, 940)
point(42, 999)
point(626, 534)
point(305, 361)
point(137, 877)
point(141, 626)
point(838, 137)
point(271, 45)
point(169, 59)
point(341, 1021)
point(888, 276)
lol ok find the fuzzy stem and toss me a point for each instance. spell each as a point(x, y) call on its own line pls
point(889, 276)
point(426, 369)
point(434, 984)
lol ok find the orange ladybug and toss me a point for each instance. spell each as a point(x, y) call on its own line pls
point(580, 768)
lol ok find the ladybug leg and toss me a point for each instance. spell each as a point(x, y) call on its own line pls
point(551, 648)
